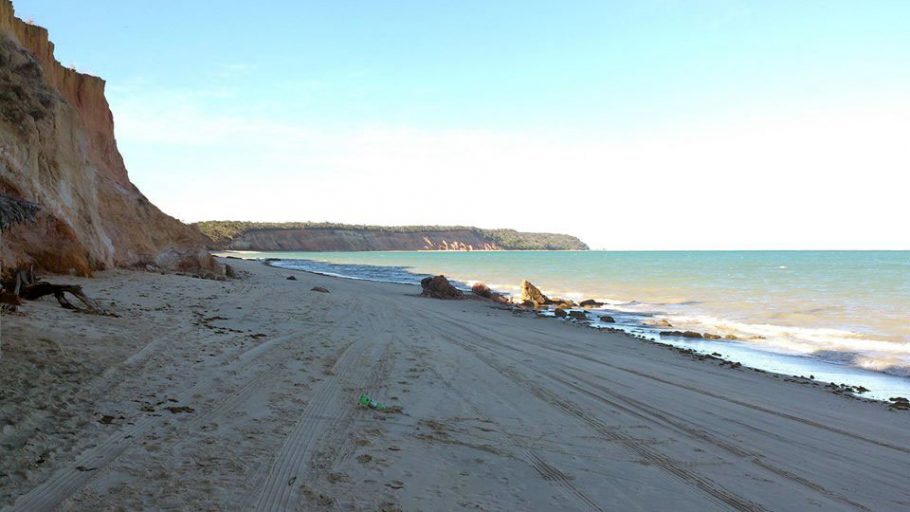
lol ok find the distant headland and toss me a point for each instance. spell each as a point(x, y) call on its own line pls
point(325, 236)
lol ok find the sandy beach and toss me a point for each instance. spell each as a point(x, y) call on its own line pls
point(243, 395)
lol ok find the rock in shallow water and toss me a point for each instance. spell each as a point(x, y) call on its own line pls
point(683, 334)
point(532, 294)
point(563, 303)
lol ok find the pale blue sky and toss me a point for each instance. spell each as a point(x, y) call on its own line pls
point(777, 116)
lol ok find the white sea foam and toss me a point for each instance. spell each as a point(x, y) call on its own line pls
point(834, 345)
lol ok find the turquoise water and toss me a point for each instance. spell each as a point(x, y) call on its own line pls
point(848, 309)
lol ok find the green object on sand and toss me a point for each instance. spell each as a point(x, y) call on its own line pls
point(366, 401)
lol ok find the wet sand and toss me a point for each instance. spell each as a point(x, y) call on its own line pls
point(242, 395)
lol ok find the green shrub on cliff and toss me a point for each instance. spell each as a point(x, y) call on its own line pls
point(516, 240)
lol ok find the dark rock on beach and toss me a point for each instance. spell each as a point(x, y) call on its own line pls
point(709, 336)
point(590, 303)
point(578, 315)
point(561, 313)
point(292, 278)
point(607, 319)
point(482, 290)
point(439, 287)
point(319, 289)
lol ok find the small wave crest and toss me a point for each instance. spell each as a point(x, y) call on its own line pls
point(833, 345)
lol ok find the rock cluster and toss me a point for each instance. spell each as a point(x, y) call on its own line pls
point(698, 335)
point(899, 403)
point(683, 334)
point(578, 315)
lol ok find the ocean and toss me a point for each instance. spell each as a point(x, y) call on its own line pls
point(840, 316)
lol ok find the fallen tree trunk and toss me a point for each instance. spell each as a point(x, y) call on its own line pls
point(25, 285)
point(43, 289)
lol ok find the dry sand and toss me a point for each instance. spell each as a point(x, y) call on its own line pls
point(242, 395)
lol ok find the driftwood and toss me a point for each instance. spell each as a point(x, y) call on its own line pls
point(43, 289)
point(28, 287)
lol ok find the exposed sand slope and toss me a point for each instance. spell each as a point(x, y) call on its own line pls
point(500, 412)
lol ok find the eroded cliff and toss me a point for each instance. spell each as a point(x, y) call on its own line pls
point(57, 149)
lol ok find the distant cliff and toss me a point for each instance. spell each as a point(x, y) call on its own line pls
point(57, 149)
point(305, 236)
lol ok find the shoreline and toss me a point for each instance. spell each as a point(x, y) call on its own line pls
point(242, 394)
point(878, 385)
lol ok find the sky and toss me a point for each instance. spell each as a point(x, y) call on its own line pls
point(653, 124)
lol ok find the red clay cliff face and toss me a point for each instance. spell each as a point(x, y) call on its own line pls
point(57, 149)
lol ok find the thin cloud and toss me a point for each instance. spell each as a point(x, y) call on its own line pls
point(813, 178)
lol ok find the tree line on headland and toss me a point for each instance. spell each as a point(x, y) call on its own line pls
point(227, 234)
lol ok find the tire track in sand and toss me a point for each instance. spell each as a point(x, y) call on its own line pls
point(590, 358)
point(68, 480)
point(706, 485)
point(524, 453)
point(324, 410)
point(647, 413)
